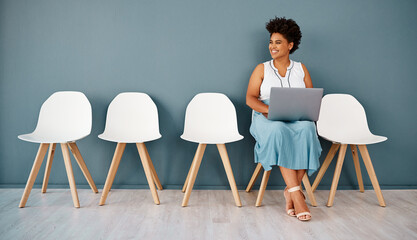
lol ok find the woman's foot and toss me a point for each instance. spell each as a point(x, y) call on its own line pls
point(289, 206)
point(298, 199)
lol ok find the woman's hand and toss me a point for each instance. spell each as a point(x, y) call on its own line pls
point(265, 115)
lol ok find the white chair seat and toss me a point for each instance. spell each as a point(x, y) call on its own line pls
point(356, 140)
point(212, 139)
point(132, 117)
point(342, 120)
point(64, 117)
point(50, 138)
point(210, 118)
point(129, 138)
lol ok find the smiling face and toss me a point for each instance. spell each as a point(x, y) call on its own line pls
point(279, 46)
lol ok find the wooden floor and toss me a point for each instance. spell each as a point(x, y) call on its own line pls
point(211, 214)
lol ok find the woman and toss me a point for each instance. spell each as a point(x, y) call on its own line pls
point(293, 146)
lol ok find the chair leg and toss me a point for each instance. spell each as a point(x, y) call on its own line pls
point(229, 173)
point(148, 172)
point(154, 175)
point(70, 174)
point(33, 173)
point(371, 172)
point(357, 167)
point(193, 174)
point(189, 172)
point(51, 154)
point(336, 175)
point(326, 163)
point(118, 153)
point(184, 187)
point(254, 177)
point(262, 188)
point(77, 155)
point(309, 190)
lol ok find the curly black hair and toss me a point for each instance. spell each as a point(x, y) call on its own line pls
point(288, 28)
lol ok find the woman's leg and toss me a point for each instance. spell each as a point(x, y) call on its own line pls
point(288, 201)
point(292, 179)
point(300, 175)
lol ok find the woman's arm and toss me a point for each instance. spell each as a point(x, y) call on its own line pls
point(253, 92)
point(307, 77)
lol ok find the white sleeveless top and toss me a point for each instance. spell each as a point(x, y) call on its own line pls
point(294, 78)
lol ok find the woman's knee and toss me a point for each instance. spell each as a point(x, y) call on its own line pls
point(307, 127)
point(278, 128)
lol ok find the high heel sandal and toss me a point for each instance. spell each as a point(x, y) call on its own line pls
point(291, 211)
point(297, 188)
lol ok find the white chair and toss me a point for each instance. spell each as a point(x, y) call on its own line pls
point(343, 121)
point(64, 118)
point(132, 117)
point(210, 118)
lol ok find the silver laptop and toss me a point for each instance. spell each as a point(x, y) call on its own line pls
point(295, 104)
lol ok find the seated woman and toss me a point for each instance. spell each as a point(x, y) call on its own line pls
point(293, 146)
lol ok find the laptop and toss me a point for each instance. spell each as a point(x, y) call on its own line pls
point(295, 104)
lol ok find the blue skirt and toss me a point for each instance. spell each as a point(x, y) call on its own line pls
point(293, 145)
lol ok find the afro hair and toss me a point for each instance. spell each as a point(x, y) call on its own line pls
point(288, 28)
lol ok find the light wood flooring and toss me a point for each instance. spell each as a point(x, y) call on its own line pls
point(211, 214)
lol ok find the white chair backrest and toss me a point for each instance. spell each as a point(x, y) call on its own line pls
point(65, 115)
point(211, 118)
point(341, 116)
point(132, 116)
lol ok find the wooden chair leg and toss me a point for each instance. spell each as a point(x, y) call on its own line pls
point(51, 154)
point(33, 173)
point(357, 167)
point(336, 175)
point(193, 174)
point(148, 172)
point(262, 188)
point(154, 175)
point(326, 163)
point(70, 174)
point(118, 153)
point(189, 172)
point(229, 173)
point(184, 187)
point(309, 190)
point(77, 155)
point(254, 177)
point(371, 172)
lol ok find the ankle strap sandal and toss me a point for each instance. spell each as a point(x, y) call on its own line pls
point(297, 188)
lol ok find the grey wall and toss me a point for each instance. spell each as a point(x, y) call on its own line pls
point(173, 50)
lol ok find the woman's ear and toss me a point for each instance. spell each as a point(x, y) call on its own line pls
point(290, 45)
